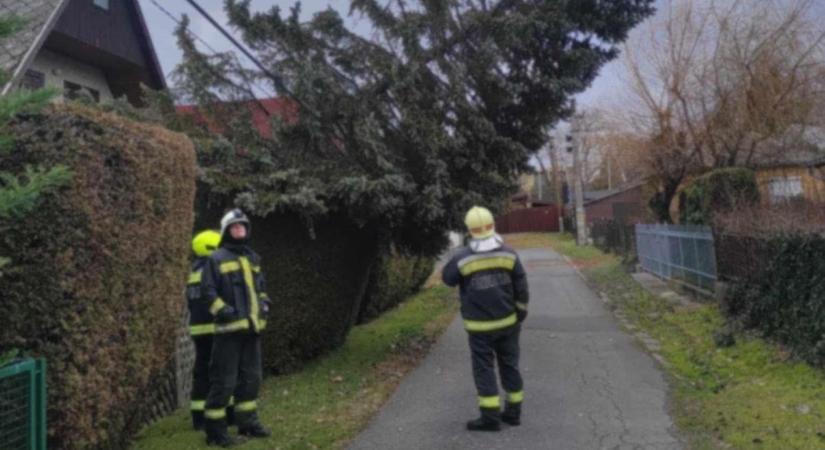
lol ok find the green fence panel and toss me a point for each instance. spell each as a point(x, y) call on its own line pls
point(23, 405)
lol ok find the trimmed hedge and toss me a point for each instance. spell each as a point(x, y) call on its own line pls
point(393, 279)
point(99, 268)
point(717, 191)
point(783, 295)
point(316, 277)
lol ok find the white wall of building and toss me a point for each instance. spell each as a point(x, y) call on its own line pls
point(58, 68)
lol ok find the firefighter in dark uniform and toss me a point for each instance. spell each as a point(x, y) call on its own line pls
point(494, 296)
point(201, 325)
point(235, 295)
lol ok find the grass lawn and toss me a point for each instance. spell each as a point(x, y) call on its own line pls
point(329, 401)
point(747, 396)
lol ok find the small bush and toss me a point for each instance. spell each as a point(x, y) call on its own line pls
point(394, 278)
point(785, 298)
point(99, 267)
point(715, 192)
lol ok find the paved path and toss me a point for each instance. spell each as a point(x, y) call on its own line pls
point(587, 384)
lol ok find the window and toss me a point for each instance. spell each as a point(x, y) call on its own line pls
point(785, 188)
point(33, 80)
point(102, 4)
point(74, 91)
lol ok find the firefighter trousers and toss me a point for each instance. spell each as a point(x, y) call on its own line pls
point(235, 367)
point(501, 347)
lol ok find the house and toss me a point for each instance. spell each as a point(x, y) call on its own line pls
point(260, 112)
point(793, 179)
point(626, 204)
point(97, 48)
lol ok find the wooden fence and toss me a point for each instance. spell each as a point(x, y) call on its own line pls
point(528, 220)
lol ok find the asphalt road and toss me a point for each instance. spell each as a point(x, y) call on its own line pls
point(587, 384)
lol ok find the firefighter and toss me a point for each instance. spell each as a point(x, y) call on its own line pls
point(235, 295)
point(201, 326)
point(494, 295)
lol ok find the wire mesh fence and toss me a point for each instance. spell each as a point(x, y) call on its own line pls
point(23, 405)
point(678, 252)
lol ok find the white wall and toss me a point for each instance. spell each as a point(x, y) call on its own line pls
point(58, 68)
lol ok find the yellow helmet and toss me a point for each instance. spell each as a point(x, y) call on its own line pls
point(480, 223)
point(206, 242)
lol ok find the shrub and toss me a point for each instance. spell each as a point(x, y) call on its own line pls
point(783, 295)
point(394, 278)
point(717, 191)
point(316, 277)
point(99, 267)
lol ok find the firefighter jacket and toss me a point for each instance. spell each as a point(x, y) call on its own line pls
point(492, 286)
point(232, 277)
point(200, 320)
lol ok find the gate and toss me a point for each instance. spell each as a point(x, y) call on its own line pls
point(529, 220)
point(23, 405)
point(678, 252)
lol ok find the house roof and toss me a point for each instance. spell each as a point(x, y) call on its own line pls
point(595, 196)
point(18, 50)
point(39, 17)
point(261, 112)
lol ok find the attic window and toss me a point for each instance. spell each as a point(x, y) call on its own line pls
point(785, 188)
point(102, 4)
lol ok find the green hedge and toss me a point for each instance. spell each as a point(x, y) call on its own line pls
point(316, 277)
point(99, 268)
point(717, 191)
point(784, 295)
point(394, 278)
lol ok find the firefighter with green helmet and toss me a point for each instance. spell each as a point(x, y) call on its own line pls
point(234, 294)
point(494, 295)
point(201, 325)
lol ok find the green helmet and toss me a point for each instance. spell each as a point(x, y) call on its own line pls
point(206, 242)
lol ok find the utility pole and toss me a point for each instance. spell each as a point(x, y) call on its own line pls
point(557, 184)
point(581, 222)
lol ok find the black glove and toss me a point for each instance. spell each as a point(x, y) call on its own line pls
point(521, 315)
point(226, 314)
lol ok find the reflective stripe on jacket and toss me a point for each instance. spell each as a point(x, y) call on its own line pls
point(492, 284)
point(232, 276)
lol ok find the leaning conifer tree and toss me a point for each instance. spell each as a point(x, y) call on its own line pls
point(438, 109)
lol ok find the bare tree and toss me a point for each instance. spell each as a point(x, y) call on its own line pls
point(723, 83)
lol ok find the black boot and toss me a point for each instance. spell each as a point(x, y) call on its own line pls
point(255, 430)
point(217, 434)
point(489, 421)
point(198, 420)
point(512, 414)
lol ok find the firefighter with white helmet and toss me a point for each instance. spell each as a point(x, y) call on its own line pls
point(494, 295)
point(235, 295)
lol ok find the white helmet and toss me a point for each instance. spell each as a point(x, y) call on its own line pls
point(235, 216)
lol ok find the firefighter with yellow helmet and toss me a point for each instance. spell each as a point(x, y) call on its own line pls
point(201, 325)
point(494, 295)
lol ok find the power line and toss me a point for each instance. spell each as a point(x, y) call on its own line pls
point(201, 40)
point(177, 21)
point(279, 84)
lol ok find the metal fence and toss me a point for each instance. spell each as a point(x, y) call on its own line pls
point(23, 405)
point(678, 252)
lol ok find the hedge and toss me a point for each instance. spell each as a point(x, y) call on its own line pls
point(394, 278)
point(316, 277)
point(99, 268)
point(717, 191)
point(782, 294)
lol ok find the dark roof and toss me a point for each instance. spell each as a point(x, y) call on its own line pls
point(19, 49)
point(40, 16)
point(595, 196)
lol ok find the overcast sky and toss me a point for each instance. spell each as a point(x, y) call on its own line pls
point(162, 27)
